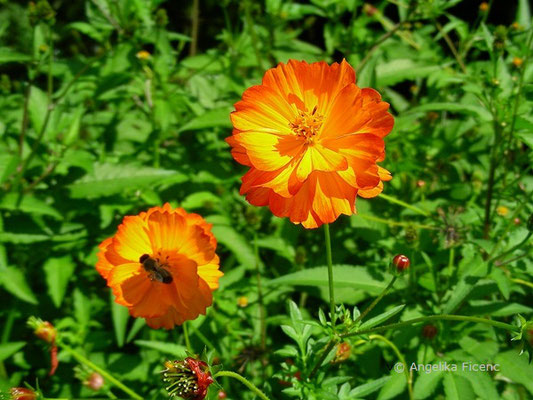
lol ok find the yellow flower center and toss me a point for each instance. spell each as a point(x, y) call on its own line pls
point(307, 125)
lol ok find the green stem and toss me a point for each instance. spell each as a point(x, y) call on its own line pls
point(330, 276)
point(244, 381)
point(404, 204)
point(376, 300)
point(110, 378)
point(251, 32)
point(396, 223)
point(408, 374)
point(186, 336)
point(446, 317)
point(450, 264)
point(333, 342)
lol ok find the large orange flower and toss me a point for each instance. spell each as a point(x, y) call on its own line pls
point(162, 265)
point(311, 138)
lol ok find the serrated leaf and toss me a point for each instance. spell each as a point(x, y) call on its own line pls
point(459, 108)
point(345, 276)
point(393, 387)
point(28, 204)
point(378, 319)
point(426, 384)
point(111, 179)
point(173, 349)
point(238, 245)
point(516, 368)
point(14, 281)
point(209, 119)
point(369, 388)
point(10, 348)
point(58, 272)
point(457, 388)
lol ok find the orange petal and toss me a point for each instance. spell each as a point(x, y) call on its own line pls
point(131, 240)
point(319, 158)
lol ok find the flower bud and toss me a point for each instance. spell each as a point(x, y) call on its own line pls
point(19, 393)
point(189, 378)
point(44, 330)
point(429, 331)
point(95, 381)
point(222, 395)
point(242, 301)
point(517, 62)
point(420, 183)
point(369, 9)
point(401, 262)
point(484, 7)
point(502, 211)
point(143, 55)
point(344, 350)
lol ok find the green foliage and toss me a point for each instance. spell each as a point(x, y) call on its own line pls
point(92, 130)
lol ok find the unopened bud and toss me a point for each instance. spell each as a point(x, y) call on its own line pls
point(222, 395)
point(44, 330)
point(95, 381)
point(429, 331)
point(502, 210)
point(19, 393)
point(369, 9)
point(484, 7)
point(517, 62)
point(343, 352)
point(143, 55)
point(242, 301)
point(401, 262)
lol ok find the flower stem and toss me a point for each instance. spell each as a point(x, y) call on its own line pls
point(404, 204)
point(447, 317)
point(330, 276)
point(244, 381)
point(110, 378)
point(186, 336)
point(408, 374)
point(377, 299)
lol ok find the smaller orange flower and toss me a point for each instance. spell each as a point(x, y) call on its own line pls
point(143, 55)
point(517, 62)
point(162, 265)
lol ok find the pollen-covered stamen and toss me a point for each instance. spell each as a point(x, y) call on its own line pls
point(307, 125)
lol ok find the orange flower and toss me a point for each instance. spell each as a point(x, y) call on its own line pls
point(162, 265)
point(311, 138)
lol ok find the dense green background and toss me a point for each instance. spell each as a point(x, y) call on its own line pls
point(95, 133)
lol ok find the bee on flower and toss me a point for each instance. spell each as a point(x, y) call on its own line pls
point(162, 265)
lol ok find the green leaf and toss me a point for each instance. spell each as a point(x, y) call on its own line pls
point(483, 384)
point(369, 388)
point(516, 368)
point(110, 179)
point(456, 387)
point(393, 387)
point(58, 272)
point(399, 70)
point(28, 204)
point(10, 348)
point(8, 165)
point(240, 247)
point(426, 384)
point(8, 55)
point(199, 200)
point(120, 316)
point(209, 119)
point(173, 349)
point(377, 320)
point(14, 281)
point(37, 108)
point(345, 276)
point(523, 13)
point(459, 108)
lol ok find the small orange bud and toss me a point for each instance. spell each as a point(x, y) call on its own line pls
point(517, 221)
point(516, 26)
point(401, 262)
point(429, 331)
point(18, 393)
point(343, 352)
point(432, 115)
point(369, 9)
point(517, 62)
point(502, 210)
point(420, 183)
point(222, 395)
point(484, 7)
point(242, 301)
point(46, 331)
point(143, 55)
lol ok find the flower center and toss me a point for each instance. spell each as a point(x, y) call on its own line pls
point(307, 125)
